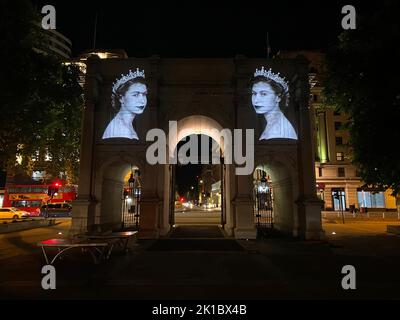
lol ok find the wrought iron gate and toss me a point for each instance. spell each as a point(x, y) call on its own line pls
point(263, 204)
point(131, 203)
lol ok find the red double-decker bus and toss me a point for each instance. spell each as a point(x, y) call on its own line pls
point(31, 197)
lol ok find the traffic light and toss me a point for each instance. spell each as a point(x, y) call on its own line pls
point(126, 192)
point(56, 187)
point(53, 189)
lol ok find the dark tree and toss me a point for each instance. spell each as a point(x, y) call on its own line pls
point(41, 99)
point(362, 79)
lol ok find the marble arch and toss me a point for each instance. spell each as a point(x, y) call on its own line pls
point(199, 94)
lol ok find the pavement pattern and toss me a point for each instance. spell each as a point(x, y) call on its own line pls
point(206, 264)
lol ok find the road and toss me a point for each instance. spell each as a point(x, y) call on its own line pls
point(198, 217)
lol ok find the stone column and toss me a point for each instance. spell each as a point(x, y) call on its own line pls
point(310, 223)
point(228, 194)
point(164, 221)
point(243, 205)
point(322, 138)
point(150, 204)
point(83, 207)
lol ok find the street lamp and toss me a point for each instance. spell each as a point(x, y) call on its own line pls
point(131, 183)
point(137, 191)
point(263, 187)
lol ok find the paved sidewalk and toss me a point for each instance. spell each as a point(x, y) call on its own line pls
point(275, 268)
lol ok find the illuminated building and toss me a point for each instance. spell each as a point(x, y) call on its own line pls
point(56, 44)
point(80, 61)
point(201, 97)
point(338, 183)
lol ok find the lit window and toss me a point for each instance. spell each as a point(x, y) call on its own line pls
point(339, 156)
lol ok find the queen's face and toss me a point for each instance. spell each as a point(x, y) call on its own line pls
point(264, 98)
point(135, 98)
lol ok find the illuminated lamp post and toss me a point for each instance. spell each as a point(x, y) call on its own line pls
point(262, 190)
point(136, 187)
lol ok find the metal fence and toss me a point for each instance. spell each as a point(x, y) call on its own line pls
point(131, 211)
point(263, 209)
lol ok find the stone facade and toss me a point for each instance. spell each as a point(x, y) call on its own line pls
point(200, 94)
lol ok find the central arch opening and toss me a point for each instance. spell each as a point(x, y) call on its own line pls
point(197, 186)
point(197, 191)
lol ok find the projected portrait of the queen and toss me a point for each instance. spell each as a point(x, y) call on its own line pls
point(270, 92)
point(128, 99)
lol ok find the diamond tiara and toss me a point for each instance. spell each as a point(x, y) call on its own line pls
point(273, 76)
point(129, 76)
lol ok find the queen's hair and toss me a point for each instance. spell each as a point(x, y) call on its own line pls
point(115, 97)
point(278, 89)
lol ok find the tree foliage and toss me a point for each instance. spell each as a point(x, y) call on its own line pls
point(41, 99)
point(362, 79)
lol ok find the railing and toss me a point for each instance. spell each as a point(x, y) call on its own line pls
point(131, 212)
point(263, 210)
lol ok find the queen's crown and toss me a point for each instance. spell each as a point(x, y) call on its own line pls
point(273, 76)
point(129, 76)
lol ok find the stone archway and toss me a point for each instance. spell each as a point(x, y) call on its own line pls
point(202, 94)
point(113, 183)
point(282, 184)
point(108, 190)
point(198, 125)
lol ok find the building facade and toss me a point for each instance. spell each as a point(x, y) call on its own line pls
point(55, 44)
point(338, 183)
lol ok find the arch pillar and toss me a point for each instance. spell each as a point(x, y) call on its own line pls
point(243, 205)
point(150, 204)
point(309, 206)
point(83, 207)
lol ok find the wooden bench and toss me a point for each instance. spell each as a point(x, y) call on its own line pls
point(97, 249)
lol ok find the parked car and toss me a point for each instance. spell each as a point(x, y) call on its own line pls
point(56, 210)
point(13, 213)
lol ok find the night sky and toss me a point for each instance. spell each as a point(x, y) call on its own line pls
point(201, 28)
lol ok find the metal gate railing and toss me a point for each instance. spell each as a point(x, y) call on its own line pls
point(263, 204)
point(131, 203)
point(131, 212)
point(263, 210)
